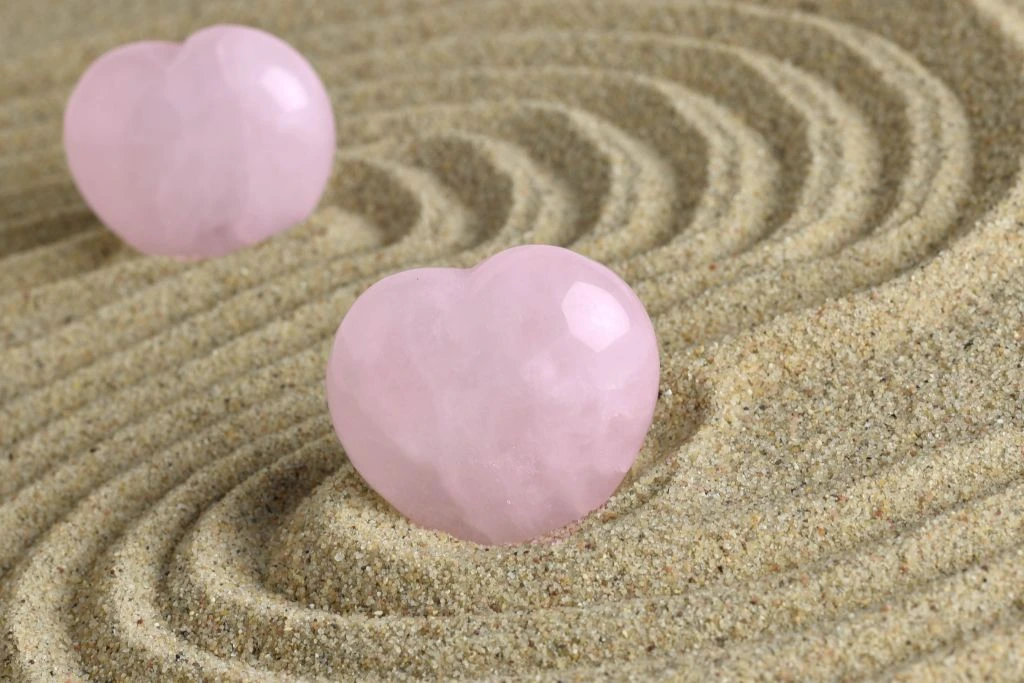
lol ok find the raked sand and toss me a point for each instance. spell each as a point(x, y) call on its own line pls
point(819, 202)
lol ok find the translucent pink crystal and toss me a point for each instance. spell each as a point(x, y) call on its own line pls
point(197, 149)
point(496, 403)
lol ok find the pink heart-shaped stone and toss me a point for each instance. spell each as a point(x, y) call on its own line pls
point(197, 149)
point(497, 403)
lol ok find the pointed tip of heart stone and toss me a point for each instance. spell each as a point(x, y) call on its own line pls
point(197, 149)
point(498, 403)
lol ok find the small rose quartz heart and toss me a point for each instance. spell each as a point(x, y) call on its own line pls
point(197, 149)
point(497, 403)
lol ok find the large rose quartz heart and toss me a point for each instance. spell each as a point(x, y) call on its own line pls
point(196, 149)
point(497, 403)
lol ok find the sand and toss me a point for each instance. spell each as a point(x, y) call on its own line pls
point(819, 202)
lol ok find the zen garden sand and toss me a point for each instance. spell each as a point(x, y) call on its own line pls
point(820, 204)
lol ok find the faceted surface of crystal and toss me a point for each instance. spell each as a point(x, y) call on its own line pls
point(497, 403)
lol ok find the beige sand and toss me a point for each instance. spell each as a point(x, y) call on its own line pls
point(820, 202)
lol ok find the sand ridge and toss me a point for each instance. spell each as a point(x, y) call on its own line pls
point(820, 204)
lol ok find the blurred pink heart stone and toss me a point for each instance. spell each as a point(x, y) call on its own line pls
point(194, 150)
point(497, 403)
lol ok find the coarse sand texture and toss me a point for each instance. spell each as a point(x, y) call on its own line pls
point(819, 202)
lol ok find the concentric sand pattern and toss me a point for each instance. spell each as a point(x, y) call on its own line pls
point(819, 202)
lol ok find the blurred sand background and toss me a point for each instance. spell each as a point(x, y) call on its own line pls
point(819, 202)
